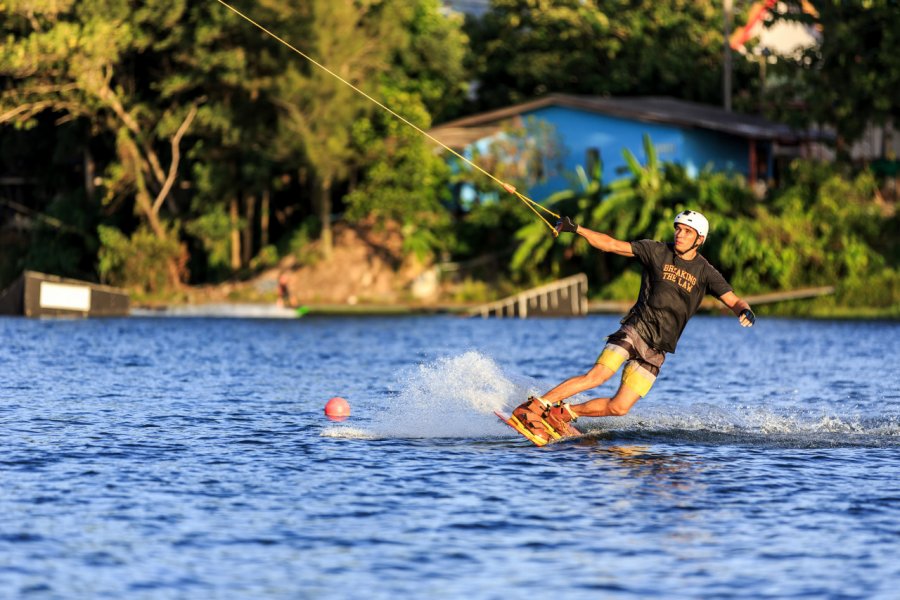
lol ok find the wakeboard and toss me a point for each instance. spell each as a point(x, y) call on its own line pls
point(554, 435)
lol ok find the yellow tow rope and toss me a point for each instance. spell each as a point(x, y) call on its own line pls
point(534, 206)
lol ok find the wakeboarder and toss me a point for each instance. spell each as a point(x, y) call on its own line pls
point(675, 279)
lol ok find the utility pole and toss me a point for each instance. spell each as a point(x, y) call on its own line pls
point(726, 68)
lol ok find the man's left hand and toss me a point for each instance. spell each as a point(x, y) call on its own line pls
point(747, 318)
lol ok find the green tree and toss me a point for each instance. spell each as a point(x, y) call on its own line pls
point(527, 48)
point(822, 229)
point(851, 78)
point(63, 215)
point(190, 117)
point(78, 61)
point(429, 58)
point(142, 80)
point(671, 48)
point(402, 178)
point(231, 65)
point(134, 262)
point(352, 39)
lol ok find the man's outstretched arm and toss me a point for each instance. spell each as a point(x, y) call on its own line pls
point(740, 308)
point(598, 240)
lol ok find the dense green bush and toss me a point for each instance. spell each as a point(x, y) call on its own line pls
point(823, 227)
point(213, 230)
point(139, 262)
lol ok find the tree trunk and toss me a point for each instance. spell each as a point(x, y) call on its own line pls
point(90, 172)
point(264, 219)
point(130, 157)
point(323, 200)
point(250, 216)
point(235, 234)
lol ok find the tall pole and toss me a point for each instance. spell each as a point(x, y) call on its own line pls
point(726, 70)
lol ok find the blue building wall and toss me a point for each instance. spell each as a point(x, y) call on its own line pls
point(722, 151)
point(581, 130)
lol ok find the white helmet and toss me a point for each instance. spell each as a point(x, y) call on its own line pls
point(694, 220)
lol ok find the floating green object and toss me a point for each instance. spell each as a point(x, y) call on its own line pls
point(302, 310)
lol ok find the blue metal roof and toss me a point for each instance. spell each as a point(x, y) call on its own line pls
point(650, 109)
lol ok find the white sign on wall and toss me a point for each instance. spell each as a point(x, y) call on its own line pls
point(64, 296)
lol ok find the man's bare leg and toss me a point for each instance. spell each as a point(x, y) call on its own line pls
point(598, 375)
point(616, 406)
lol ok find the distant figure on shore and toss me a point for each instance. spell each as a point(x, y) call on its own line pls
point(285, 299)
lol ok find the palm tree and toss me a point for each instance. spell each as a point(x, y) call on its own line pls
point(537, 244)
point(635, 202)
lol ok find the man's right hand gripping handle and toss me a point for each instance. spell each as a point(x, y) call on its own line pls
point(565, 225)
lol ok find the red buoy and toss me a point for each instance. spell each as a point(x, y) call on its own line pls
point(337, 409)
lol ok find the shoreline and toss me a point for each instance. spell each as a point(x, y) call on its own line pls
point(605, 307)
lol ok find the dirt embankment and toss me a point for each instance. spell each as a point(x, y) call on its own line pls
point(366, 266)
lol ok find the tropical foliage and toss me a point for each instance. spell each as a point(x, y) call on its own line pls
point(850, 79)
point(161, 143)
point(527, 48)
point(186, 123)
point(823, 228)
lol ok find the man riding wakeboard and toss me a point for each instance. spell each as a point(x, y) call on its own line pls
point(674, 281)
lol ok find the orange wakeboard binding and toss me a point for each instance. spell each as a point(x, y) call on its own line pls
point(542, 422)
point(559, 417)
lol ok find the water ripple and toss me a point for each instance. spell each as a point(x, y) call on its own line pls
point(148, 458)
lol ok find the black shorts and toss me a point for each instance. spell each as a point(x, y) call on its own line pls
point(643, 361)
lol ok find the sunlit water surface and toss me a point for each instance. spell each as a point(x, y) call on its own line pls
point(180, 458)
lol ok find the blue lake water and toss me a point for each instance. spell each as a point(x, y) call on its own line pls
point(190, 458)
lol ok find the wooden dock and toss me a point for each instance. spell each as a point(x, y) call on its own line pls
point(711, 304)
point(40, 295)
point(564, 298)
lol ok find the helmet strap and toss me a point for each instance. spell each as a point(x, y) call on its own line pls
point(697, 244)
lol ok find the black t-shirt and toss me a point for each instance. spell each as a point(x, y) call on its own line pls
point(671, 291)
